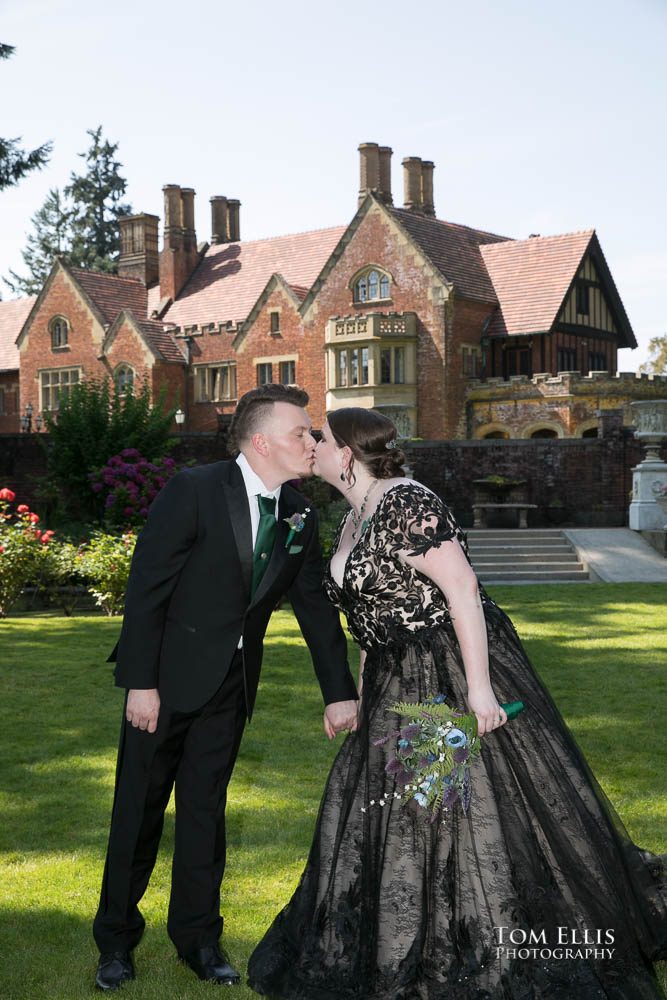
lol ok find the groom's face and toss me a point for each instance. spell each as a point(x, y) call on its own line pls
point(291, 446)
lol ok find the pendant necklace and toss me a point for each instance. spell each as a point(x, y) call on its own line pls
point(357, 519)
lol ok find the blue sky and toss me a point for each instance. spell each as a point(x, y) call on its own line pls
point(540, 117)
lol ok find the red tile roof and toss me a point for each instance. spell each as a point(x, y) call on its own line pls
point(531, 279)
point(111, 293)
point(13, 315)
point(231, 276)
point(161, 340)
point(454, 250)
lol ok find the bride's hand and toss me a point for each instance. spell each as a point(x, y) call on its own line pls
point(485, 706)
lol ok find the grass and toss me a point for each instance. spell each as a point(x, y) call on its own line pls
point(601, 648)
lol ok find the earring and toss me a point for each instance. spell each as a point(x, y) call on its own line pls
point(342, 477)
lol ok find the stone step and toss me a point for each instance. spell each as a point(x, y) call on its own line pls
point(554, 546)
point(522, 556)
point(534, 576)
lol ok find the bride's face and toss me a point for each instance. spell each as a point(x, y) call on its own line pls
point(328, 458)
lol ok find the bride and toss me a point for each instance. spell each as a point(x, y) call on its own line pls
point(535, 892)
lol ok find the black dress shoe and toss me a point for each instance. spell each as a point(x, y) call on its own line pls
point(212, 965)
point(113, 969)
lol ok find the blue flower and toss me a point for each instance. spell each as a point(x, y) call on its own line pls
point(456, 738)
point(439, 699)
point(421, 799)
point(431, 757)
point(404, 743)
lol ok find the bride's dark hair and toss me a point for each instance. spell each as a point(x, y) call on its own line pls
point(371, 437)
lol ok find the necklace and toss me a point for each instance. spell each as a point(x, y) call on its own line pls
point(357, 519)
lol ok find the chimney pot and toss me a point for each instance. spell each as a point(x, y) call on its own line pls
point(233, 217)
point(219, 225)
point(385, 174)
point(369, 169)
point(412, 183)
point(428, 207)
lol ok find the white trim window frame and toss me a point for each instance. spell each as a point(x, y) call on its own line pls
point(55, 383)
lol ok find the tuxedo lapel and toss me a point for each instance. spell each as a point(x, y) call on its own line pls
point(280, 554)
point(239, 515)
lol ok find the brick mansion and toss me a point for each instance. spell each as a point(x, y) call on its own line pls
point(453, 332)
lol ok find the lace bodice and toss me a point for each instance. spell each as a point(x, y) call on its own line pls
point(382, 596)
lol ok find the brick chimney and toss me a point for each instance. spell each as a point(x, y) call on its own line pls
point(139, 248)
point(219, 226)
point(369, 169)
point(179, 257)
point(412, 183)
point(428, 208)
point(385, 174)
point(233, 220)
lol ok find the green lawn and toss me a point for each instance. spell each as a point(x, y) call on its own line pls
point(601, 648)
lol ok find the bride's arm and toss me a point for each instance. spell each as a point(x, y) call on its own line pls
point(447, 566)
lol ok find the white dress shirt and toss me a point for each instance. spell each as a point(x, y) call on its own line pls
point(254, 485)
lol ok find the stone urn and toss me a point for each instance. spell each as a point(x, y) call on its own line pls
point(650, 421)
point(649, 478)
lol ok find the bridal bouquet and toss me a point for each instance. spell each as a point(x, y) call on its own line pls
point(434, 753)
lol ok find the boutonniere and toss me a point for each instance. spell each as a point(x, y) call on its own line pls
point(296, 524)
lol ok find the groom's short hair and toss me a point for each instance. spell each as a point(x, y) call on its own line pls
point(254, 408)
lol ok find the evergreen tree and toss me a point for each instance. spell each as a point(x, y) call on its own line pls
point(51, 237)
point(96, 200)
point(15, 162)
point(657, 361)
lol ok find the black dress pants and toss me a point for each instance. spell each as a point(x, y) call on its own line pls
point(196, 752)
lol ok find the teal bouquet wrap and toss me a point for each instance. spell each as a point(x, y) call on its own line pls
point(434, 752)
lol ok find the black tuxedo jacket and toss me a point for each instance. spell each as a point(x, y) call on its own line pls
point(188, 596)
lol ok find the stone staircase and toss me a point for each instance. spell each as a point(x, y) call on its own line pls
point(529, 555)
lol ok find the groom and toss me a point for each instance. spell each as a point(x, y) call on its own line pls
point(215, 557)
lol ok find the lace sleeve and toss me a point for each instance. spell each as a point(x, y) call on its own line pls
point(416, 520)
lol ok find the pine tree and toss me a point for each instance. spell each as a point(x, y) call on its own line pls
point(15, 162)
point(96, 198)
point(51, 237)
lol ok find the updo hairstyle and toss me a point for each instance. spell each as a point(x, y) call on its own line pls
point(371, 437)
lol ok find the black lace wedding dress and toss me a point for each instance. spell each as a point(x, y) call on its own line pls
point(392, 907)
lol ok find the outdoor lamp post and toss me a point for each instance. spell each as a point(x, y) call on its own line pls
point(26, 419)
point(179, 417)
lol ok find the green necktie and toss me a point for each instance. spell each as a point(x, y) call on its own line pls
point(266, 534)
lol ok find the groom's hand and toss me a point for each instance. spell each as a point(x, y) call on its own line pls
point(338, 716)
point(143, 708)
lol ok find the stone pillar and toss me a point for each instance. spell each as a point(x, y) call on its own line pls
point(234, 220)
point(219, 228)
point(369, 169)
point(412, 183)
point(650, 476)
point(385, 174)
point(139, 248)
point(427, 187)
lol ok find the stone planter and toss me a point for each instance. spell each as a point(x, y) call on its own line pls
point(650, 420)
point(650, 476)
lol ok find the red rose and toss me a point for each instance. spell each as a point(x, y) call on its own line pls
point(23, 509)
point(6, 494)
point(34, 518)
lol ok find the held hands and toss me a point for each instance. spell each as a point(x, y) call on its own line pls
point(489, 713)
point(143, 709)
point(339, 716)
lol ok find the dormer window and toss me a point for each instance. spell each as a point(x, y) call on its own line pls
point(59, 328)
point(372, 285)
point(124, 379)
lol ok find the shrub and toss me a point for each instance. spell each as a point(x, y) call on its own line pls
point(60, 577)
point(94, 422)
point(129, 483)
point(104, 562)
point(22, 549)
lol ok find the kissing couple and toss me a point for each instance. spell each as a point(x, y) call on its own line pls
point(396, 902)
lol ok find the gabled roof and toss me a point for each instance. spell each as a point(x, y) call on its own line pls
point(111, 294)
point(231, 277)
point(13, 315)
point(454, 250)
point(533, 277)
point(161, 343)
